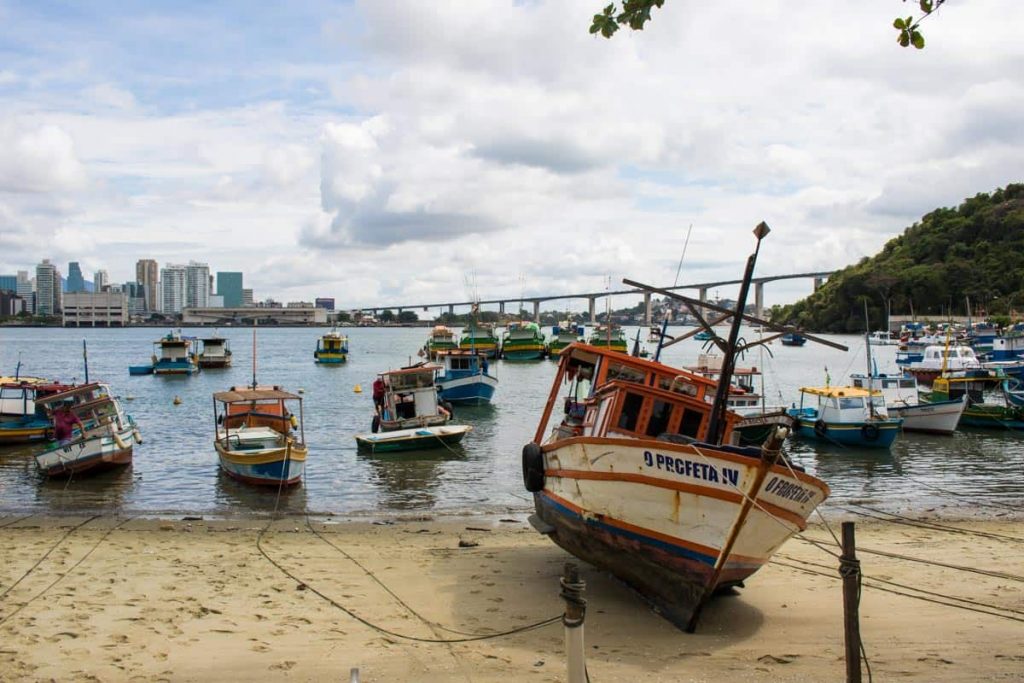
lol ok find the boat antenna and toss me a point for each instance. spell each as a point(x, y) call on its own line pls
point(254, 323)
point(683, 255)
point(867, 348)
point(17, 368)
point(85, 359)
point(717, 421)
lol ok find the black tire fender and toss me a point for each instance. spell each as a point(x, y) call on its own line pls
point(447, 405)
point(869, 432)
point(49, 434)
point(375, 424)
point(820, 428)
point(533, 468)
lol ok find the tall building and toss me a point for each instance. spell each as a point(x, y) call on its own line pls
point(136, 295)
point(229, 286)
point(48, 297)
point(247, 298)
point(75, 283)
point(172, 288)
point(26, 289)
point(100, 279)
point(9, 283)
point(197, 285)
point(325, 302)
point(146, 275)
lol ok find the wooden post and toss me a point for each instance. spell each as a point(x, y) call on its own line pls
point(849, 569)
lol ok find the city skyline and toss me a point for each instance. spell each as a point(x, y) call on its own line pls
point(384, 152)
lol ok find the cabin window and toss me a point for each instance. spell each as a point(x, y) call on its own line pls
point(625, 373)
point(859, 383)
point(908, 384)
point(460, 364)
point(849, 403)
point(630, 413)
point(661, 415)
point(690, 423)
point(678, 385)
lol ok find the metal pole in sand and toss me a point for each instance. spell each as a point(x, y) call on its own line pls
point(849, 569)
point(575, 612)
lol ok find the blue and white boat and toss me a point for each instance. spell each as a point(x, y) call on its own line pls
point(793, 339)
point(466, 378)
point(172, 355)
point(848, 416)
point(902, 400)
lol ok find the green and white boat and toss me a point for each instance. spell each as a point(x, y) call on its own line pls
point(612, 337)
point(523, 341)
point(563, 334)
point(479, 337)
point(441, 339)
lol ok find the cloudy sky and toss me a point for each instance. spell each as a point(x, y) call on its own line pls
point(388, 152)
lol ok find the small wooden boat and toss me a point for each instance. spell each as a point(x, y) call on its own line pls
point(849, 416)
point(172, 356)
point(562, 335)
point(258, 439)
point(704, 335)
point(466, 378)
point(479, 338)
point(331, 348)
point(902, 400)
point(523, 341)
point(22, 417)
point(107, 440)
point(407, 401)
point(793, 339)
point(214, 352)
point(441, 339)
point(609, 336)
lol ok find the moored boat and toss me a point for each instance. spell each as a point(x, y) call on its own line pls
point(523, 341)
point(848, 416)
point(104, 439)
point(479, 337)
point(793, 339)
point(939, 359)
point(609, 336)
point(902, 400)
point(563, 334)
point(258, 439)
point(882, 338)
point(22, 417)
point(214, 352)
point(979, 412)
point(441, 339)
point(331, 348)
point(172, 355)
point(465, 378)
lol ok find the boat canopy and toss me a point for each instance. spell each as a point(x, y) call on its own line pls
point(236, 395)
point(75, 392)
point(840, 392)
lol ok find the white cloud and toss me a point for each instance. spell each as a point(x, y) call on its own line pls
point(38, 159)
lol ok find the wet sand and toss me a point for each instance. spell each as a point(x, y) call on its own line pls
point(150, 600)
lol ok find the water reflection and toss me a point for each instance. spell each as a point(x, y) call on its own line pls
point(411, 480)
point(238, 496)
point(95, 490)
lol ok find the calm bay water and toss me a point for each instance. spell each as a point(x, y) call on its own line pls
point(175, 470)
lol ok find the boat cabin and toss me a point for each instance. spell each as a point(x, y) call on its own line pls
point(93, 403)
point(463, 362)
point(250, 418)
point(214, 350)
point(844, 405)
point(615, 395)
point(410, 398)
point(953, 388)
point(896, 389)
point(937, 357)
point(19, 396)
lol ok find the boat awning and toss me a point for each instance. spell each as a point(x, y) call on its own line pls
point(416, 369)
point(236, 395)
point(840, 392)
point(70, 393)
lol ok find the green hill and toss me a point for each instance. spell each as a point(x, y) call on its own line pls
point(975, 250)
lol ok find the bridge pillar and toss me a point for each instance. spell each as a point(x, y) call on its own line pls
point(451, 309)
point(647, 309)
point(536, 312)
point(759, 299)
point(593, 309)
point(818, 282)
point(501, 309)
point(703, 296)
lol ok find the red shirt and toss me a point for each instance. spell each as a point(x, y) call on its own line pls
point(64, 422)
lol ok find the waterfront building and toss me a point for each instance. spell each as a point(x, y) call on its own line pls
point(75, 282)
point(135, 294)
point(146, 275)
point(325, 302)
point(172, 288)
point(229, 286)
point(9, 283)
point(197, 285)
point(216, 301)
point(281, 315)
point(100, 279)
point(48, 294)
point(95, 309)
point(247, 299)
point(26, 289)
point(11, 303)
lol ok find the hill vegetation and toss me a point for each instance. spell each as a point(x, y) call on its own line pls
point(974, 251)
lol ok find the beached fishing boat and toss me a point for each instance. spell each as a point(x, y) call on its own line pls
point(563, 334)
point(441, 339)
point(108, 437)
point(214, 352)
point(609, 336)
point(408, 414)
point(22, 417)
point(979, 412)
point(902, 400)
point(849, 416)
point(331, 348)
point(793, 339)
point(258, 437)
point(523, 341)
point(479, 337)
point(172, 355)
point(637, 474)
point(465, 378)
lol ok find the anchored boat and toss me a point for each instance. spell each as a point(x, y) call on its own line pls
point(441, 339)
point(172, 355)
point(259, 439)
point(635, 470)
point(479, 337)
point(22, 417)
point(979, 412)
point(104, 439)
point(562, 335)
point(902, 400)
point(849, 416)
point(466, 378)
point(609, 336)
point(408, 414)
point(332, 348)
point(523, 341)
point(214, 352)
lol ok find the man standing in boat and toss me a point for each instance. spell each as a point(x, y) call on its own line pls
point(64, 421)
point(378, 391)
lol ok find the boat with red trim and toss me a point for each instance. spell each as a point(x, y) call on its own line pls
point(259, 439)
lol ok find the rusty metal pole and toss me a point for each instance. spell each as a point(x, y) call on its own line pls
point(849, 570)
point(575, 612)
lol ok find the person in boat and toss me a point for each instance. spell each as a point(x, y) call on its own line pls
point(484, 365)
point(64, 421)
point(378, 391)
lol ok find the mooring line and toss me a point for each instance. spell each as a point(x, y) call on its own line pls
point(924, 524)
point(47, 553)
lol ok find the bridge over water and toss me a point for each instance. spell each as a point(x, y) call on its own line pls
point(592, 297)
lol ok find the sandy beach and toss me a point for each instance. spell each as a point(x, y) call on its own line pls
point(114, 599)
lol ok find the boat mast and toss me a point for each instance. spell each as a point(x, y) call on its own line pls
point(715, 425)
point(867, 349)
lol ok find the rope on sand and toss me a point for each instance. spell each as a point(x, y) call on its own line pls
point(47, 553)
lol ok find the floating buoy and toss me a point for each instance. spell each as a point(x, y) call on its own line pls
point(177, 400)
point(129, 397)
point(301, 390)
point(358, 388)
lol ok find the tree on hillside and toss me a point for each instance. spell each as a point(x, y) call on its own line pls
point(636, 13)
